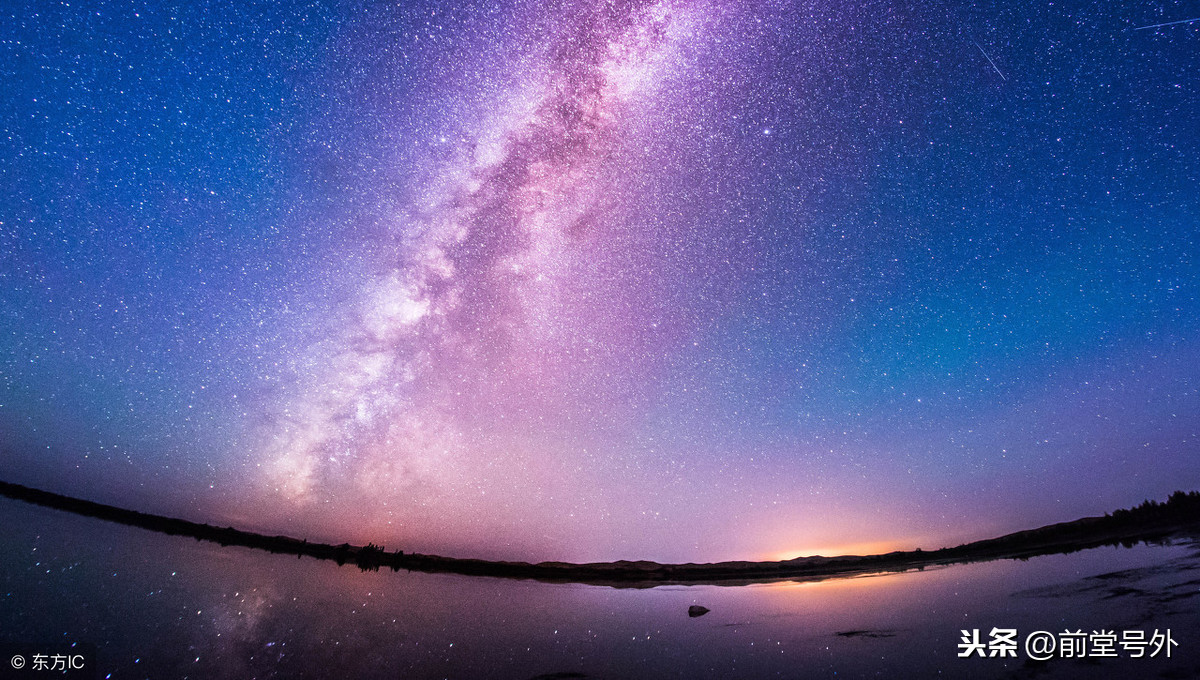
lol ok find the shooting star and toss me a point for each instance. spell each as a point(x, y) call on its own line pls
point(1168, 23)
point(985, 56)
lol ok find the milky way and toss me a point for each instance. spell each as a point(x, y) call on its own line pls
point(593, 280)
point(458, 380)
point(464, 326)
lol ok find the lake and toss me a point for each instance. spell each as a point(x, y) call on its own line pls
point(159, 606)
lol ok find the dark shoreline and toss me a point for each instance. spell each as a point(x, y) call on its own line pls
point(1149, 522)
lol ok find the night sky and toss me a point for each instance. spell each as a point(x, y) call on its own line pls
point(597, 280)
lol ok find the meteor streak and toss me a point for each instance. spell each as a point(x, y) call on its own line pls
point(1168, 23)
point(985, 56)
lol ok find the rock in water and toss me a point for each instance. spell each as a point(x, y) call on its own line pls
point(696, 610)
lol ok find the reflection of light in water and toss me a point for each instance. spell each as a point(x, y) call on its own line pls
point(850, 585)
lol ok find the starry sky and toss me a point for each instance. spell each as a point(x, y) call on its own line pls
point(588, 279)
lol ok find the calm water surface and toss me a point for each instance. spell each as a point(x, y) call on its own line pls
point(166, 607)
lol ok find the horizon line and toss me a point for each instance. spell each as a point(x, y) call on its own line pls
point(1150, 522)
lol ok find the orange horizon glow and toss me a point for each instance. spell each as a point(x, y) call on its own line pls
point(839, 550)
